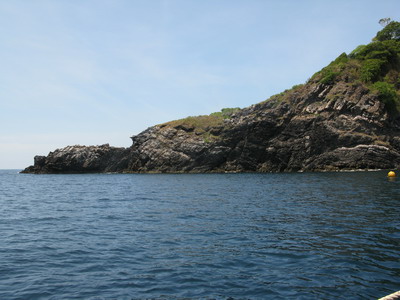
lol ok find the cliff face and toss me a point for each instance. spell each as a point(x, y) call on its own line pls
point(338, 120)
point(316, 127)
point(81, 159)
point(312, 127)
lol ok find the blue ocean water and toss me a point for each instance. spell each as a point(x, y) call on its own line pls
point(199, 236)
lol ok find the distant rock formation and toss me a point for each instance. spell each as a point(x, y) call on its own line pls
point(343, 118)
point(81, 159)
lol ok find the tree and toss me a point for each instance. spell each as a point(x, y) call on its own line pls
point(390, 32)
point(385, 21)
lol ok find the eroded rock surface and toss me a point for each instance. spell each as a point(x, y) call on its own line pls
point(311, 128)
point(81, 159)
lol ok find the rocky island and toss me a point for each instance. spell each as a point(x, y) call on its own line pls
point(345, 117)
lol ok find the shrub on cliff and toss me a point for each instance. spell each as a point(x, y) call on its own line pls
point(329, 74)
point(368, 63)
point(202, 124)
point(225, 113)
point(388, 95)
point(377, 59)
point(390, 32)
point(376, 66)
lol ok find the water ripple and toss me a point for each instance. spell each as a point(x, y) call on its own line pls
point(212, 236)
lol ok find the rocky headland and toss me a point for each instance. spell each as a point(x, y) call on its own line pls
point(345, 117)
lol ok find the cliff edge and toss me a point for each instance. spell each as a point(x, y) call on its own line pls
point(345, 117)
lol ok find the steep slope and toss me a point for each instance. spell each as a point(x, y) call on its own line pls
point(345, 117)
point(314, 127)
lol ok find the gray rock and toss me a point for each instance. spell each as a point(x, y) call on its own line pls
point(316, 127)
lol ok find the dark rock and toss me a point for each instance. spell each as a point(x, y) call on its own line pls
point(342, 125)
point(315, 130)
point(81, 159)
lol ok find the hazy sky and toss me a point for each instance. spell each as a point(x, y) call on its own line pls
point(95, 72)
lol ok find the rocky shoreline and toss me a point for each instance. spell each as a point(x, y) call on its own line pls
point(346, 117)
point(315, 127)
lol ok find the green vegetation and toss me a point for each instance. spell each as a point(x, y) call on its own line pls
point(225, 113)
point(390, 32)
point(284, 96)
point(377, 59)
point(296, 87)
point(329, 74)
point(201, 125)
point(198, 124)
point(376, 66)
point(387, 94)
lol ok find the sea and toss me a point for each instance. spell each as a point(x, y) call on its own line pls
point(199, 236)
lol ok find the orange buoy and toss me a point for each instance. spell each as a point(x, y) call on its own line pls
point(391, 174)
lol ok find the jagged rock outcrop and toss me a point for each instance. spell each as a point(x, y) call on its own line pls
point(81, 159)
point(314, 127)
point(345, 117)
point(318, 127)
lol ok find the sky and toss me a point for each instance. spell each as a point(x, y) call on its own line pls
point(92, 72)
